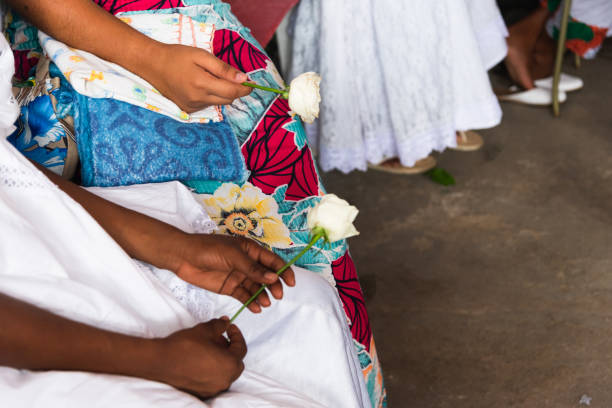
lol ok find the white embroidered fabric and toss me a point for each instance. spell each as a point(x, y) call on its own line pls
point(14, 177)
point(173, 204)
point(399, 78)
point(195, 300)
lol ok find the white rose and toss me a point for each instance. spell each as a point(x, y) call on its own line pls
point(304, 96)
point(335, 216)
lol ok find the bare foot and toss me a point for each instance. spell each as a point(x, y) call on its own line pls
point(517, 63)
point(521, 45)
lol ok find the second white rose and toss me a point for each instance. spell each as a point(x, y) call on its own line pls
point(335, 216)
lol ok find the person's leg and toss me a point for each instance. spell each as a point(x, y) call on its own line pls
point(543, 57)
point(522, 43)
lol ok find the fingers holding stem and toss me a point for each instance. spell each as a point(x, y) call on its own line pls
point(283, 92)
point(318, 235)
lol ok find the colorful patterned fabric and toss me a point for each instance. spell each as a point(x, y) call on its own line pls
point(283, 184)
point(118, 6)
point(23, 39)
point(584, 37)
point(44, 131)
point(40, 136)
point(97, 78)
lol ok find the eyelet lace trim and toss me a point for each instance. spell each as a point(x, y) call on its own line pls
point(15, 177)
point(194, 299)
point(202, 224)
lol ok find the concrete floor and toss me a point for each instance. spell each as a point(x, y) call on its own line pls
point(497, 292)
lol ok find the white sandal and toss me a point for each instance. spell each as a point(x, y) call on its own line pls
point(420, 167)
point(567, 83)
point(468, 141)
point(534, 96)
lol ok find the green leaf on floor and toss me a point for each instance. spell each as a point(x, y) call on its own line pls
point(441, 176)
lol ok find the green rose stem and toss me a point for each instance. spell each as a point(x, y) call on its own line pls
point(284, 93)
point(318, 234)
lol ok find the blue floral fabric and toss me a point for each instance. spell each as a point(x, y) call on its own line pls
point(39, 134)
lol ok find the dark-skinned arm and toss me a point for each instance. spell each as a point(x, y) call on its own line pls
point(190, 77)
point(230, 266)
point(198, 360)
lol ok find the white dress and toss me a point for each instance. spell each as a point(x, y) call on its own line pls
point(399, 77)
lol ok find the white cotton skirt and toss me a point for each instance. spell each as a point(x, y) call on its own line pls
point(55, 256)
point(399, 77)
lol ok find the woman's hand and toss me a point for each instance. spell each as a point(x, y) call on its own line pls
point(190, 77)
point(194, 78)
point(230, 266)
point(199, 360)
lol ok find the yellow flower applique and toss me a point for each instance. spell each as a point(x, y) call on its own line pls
point(249, 213)
point(96, 75)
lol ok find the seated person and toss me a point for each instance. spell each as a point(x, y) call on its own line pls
point(282, 180)
point(79, 304)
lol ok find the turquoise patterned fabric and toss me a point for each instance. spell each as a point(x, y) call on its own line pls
point(122, 144)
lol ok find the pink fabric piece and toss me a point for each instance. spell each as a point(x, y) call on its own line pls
point(234, 50)
point(351, 294)
point(118, 6)
point(261, 16)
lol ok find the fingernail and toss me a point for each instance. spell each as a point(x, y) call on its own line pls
point(241, 77)
point(226, 318)
point(271, 276)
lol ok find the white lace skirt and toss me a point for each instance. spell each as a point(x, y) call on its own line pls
point(399, 77)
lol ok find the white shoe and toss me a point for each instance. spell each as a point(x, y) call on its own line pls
point(567, 83)
point(534, 96)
